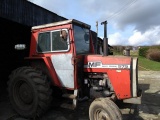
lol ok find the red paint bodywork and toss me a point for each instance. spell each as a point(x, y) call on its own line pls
point(46, 57)
point(119, 78)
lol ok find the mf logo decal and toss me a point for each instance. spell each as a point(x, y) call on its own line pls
point(99, 64)
point(94, 64)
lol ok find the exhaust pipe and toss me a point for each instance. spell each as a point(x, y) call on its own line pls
point(105, 39)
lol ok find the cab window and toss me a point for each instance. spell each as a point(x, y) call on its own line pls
point(82, 42)
point(58, 43)
point(44, 42)
point(53, 41)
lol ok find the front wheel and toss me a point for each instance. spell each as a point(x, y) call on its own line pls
point(104, 109)
point(29, 92)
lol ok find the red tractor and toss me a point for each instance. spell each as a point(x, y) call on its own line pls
point(62, 57)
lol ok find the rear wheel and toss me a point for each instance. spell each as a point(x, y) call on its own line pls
point(104, 109)
point(29, 92)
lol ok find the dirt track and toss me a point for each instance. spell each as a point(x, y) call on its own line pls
point(148, 110)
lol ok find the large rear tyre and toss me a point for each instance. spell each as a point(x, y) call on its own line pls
point(29, 92)
point(104, 109)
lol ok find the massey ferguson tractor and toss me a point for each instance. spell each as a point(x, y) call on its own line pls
point(62, 60)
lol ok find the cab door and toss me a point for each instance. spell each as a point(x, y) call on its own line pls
point(62, 59)
point(82, 48)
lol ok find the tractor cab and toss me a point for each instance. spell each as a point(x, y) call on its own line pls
point(60, 47)
point(50, 38)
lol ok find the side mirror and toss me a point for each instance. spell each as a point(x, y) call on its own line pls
point(86, 38)
point(64, 35)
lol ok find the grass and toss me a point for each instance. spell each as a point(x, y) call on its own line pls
point(144, 63)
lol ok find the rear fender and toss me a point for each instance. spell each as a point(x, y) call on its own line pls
point(44, 64)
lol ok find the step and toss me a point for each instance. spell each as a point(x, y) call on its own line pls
point(68, 106)
point(70, 96)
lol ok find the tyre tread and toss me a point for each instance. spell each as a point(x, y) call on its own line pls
point(42, 87)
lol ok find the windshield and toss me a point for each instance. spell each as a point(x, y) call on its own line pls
point(81, 37)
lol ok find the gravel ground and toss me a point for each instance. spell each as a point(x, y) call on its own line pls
point(149, 82)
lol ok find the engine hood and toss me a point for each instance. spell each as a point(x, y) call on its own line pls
point(109, 62)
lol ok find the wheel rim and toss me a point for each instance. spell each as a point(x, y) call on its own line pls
point(100, 114)
point(23, 94)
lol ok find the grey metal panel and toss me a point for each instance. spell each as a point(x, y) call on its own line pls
point(27, 13)
point(64, 69)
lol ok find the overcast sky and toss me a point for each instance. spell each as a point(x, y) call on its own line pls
point(130, 22)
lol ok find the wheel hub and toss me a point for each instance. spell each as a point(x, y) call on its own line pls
point(25, 93)
point(102, 115)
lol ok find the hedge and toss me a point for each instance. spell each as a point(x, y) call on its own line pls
point(153, 54)
point(143, 50)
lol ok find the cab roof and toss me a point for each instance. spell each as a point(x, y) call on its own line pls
point(61, 23)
